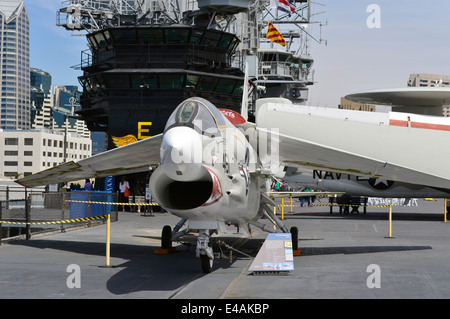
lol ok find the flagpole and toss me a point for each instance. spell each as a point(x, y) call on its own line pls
point(276, 19)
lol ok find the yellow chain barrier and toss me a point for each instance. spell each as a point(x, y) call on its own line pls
point(67, 221)
point(110, 203)
point(76, 220)
point(337, 205)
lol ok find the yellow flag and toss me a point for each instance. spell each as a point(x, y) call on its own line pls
point(274, 35)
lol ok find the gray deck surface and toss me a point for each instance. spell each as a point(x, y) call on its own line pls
point(336, 251)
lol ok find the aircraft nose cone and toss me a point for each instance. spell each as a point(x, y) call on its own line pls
point(181, 154)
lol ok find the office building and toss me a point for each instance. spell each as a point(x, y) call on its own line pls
point(431, 80)
point(349, 105)
point(26, 152)
point(66, 100)
point(428, 80)
point(14, 66)
point(41, 99)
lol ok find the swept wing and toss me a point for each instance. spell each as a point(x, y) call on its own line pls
point(131, 158)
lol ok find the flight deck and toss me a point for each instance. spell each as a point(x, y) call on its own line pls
point(342, 256)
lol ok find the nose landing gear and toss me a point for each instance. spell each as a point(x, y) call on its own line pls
point(204, 251)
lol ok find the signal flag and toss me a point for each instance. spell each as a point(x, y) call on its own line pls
point(286, 6)
point(274, 35)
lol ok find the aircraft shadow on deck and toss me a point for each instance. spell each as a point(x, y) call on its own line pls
point(142, 270)
point(367, 216)
point(313, 251)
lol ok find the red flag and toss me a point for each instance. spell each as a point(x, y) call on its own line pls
point(286, 6)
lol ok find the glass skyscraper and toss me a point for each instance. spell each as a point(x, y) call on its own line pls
point(41, 99)
point(14, 65)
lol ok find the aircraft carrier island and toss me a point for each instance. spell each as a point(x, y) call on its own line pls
point(146, 57)
point(135, 76)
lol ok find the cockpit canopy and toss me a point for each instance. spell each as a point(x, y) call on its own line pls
point(198, 114)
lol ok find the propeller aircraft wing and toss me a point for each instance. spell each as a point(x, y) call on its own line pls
point(366, 150)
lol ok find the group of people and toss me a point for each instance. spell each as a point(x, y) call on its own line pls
point(125, 189)
point(278, 186)
point(310, 199)
point(137, 189)
point(88, 186)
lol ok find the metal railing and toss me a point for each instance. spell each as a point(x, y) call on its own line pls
point(8, 193)
point(43, 212)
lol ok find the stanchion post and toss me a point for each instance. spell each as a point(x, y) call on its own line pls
point(445, 211)
point(275, 213)
point(108, 243)
point(290, 199)
point(108, 240)
point(28, 218)
point(282, 208)
point(390, 222)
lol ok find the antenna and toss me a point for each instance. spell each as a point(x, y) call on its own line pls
point(93, 15)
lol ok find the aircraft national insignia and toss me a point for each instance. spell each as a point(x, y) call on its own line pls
point(124, 140)
point(380, 184)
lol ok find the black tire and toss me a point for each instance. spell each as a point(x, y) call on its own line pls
point(294, 236)
point(206, 264)
point(166, 237)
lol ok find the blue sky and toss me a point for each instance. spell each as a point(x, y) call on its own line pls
point(53, 49)
point(414, 38)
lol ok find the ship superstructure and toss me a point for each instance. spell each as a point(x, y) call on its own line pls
point(146, 56)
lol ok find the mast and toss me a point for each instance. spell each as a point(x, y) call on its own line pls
point(282, 71)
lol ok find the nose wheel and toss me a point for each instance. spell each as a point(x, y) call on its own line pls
point(207, 263)
point(204, 251)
